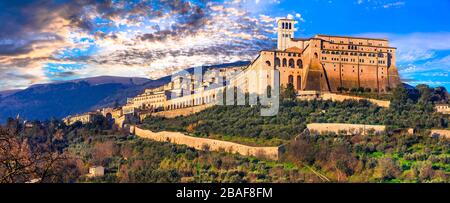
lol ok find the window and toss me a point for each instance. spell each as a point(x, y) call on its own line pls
point(277, 62)
point(284, 62)
point(291, 79)
point(300, 63)
point(299, 82)
point(268, 63)
point(291, 63)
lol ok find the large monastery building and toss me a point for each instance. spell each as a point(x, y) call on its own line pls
point(329, 63)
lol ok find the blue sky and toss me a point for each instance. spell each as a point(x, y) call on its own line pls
point(45, 41)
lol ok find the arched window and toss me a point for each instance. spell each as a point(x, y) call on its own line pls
point(299, 83)
point(291, 79)
point(284, 62)
point(283, 25)
point(268, 63)
point(290, 25)
point(277, 62)
point(291, 63)
point(299, 63)
point(316, 55)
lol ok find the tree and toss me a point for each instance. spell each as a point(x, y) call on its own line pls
point(103, 151)
point(20, 163)
point(386, 169)
point(399, 98)
point(289, 92)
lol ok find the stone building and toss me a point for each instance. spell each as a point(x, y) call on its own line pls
point(83, 118)
point(442, 108)
point(328, 63)
point(96, 171)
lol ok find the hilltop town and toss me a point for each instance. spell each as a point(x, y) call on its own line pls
point(321, 67)
point(318, 68)
point(341, 115)
point(314, 66)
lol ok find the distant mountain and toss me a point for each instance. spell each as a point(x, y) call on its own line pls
point(8, 92)
point(60, 99)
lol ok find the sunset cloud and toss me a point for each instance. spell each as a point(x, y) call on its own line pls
point(125, 38)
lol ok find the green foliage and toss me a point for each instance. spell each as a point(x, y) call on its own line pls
point(246, 122)
point(288, 92)
point(374, 158)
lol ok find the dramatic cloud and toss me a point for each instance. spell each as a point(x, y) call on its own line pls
point(60, 40)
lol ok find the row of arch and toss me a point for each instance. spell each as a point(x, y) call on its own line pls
point(286, 25)
point(297, 84)
point(194, 102)
point(285, 63)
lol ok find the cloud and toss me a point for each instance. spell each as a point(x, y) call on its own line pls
point(421, 56)
point(394, 4)
point(126, 38)
point(385, 4)
point(415, 47)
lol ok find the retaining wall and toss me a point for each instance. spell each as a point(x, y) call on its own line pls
point(182, 112)
point(440, 133)
point(208, 144)
point(351, 129)
point(341, 98)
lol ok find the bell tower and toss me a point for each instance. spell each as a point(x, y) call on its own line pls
point(285, 33)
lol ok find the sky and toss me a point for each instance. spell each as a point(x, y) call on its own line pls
point(43, 41)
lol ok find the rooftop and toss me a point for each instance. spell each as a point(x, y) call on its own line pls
point(320, 35)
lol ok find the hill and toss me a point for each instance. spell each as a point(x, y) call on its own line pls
point(59, 99)
point(64, 98)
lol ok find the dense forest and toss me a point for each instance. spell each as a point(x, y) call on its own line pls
point(53, 152)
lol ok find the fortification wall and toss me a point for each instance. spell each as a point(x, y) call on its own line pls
point(182, 112)
point(341, 98)
point(210, 144)
point(441, 133)
point(351, 129)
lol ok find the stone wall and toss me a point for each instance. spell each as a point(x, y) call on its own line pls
point(207, 144)
point(441, 133)
point(182, 112)
point(351, 129)
point(340, 98)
